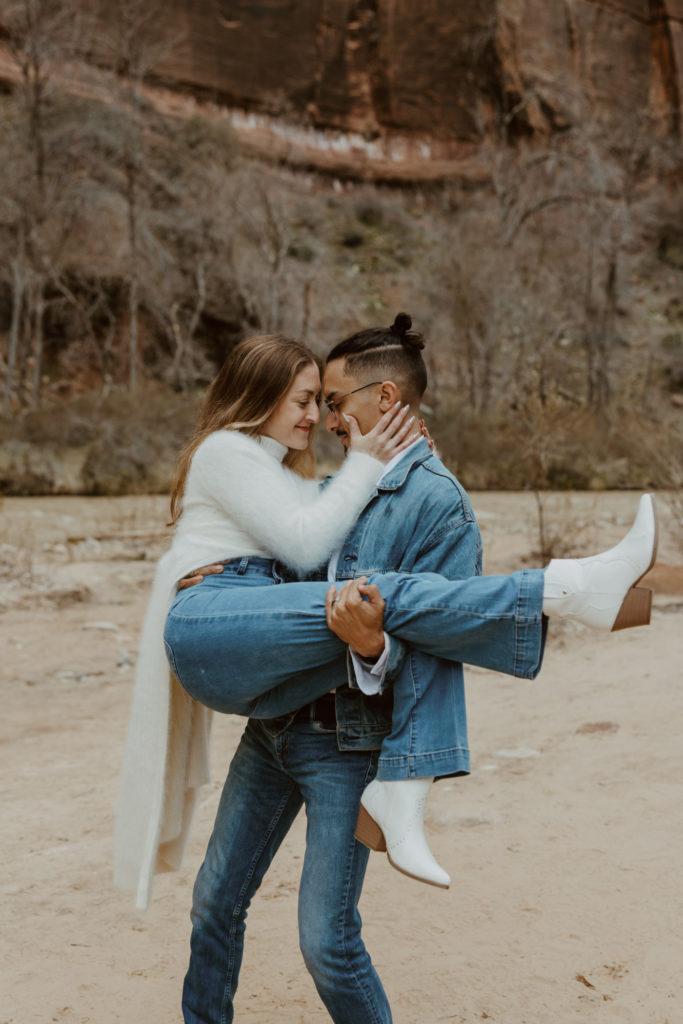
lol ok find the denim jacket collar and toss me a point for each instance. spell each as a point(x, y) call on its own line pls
point(396, 477)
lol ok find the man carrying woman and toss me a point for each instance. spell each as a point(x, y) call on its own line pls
point(412, 517)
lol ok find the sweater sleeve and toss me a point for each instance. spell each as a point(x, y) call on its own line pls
point(265, 499)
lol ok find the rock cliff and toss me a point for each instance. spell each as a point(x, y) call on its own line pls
point(435, 76)
point(405, 89)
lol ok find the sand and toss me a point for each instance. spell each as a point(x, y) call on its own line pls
point(564, 844)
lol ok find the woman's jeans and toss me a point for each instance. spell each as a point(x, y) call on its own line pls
point(278, 766)
point(247, 643)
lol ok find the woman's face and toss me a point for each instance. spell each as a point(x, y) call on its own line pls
point(297, 412)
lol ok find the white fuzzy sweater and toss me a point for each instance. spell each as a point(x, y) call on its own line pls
point(239, 500)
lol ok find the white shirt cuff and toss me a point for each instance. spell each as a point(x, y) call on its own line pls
point(370, 674)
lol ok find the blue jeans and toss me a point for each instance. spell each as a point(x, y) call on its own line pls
point(242, 644)
point(278, 767)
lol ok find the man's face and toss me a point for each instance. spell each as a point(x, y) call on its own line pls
point(366, 405)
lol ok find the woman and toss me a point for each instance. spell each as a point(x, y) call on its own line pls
point(244, 646)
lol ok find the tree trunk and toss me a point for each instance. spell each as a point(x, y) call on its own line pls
point(15, 325)
point(306, 312)
point(134, 280)
point(38, 345)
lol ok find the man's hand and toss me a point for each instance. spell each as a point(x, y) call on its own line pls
point(356, 615)
point(197, 575)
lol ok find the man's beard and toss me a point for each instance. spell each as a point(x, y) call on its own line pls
point(341, 437)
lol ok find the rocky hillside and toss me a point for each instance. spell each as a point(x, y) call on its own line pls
point(510, 173)
point(418, 88)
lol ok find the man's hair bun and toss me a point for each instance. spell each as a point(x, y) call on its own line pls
point(401, 328)
point(401, 324)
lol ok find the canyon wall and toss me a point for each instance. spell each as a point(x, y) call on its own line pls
point(452, 72)
point(408, 89)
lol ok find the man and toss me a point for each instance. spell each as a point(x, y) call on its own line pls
point(324, 755)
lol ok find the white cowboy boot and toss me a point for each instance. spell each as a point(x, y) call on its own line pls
point(391, 818)
point(600, 591)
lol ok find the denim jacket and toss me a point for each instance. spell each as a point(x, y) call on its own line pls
point(418, 520)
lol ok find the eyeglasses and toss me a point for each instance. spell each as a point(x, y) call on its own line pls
point(334, 403)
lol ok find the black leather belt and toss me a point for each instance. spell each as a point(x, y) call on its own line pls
point(320, 710)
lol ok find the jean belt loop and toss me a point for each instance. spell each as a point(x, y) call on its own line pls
point(242, 567)
point(276, 571)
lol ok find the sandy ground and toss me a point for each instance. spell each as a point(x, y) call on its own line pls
point(564, 844)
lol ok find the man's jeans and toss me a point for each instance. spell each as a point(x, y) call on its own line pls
point(241, 644)
point(276, 768)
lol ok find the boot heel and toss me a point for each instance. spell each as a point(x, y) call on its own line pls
point(635, 609)
point(368, 832)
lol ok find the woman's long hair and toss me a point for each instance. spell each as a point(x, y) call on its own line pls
point(253, 380)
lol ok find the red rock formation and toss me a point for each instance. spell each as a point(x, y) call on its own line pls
point(435, 68)
point(407, 89)
point(612, 57)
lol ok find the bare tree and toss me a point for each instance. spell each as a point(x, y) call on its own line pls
point(135, 43)
point(263, 227)
point(41, 34)
point(17, 266)
point(572, 202)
